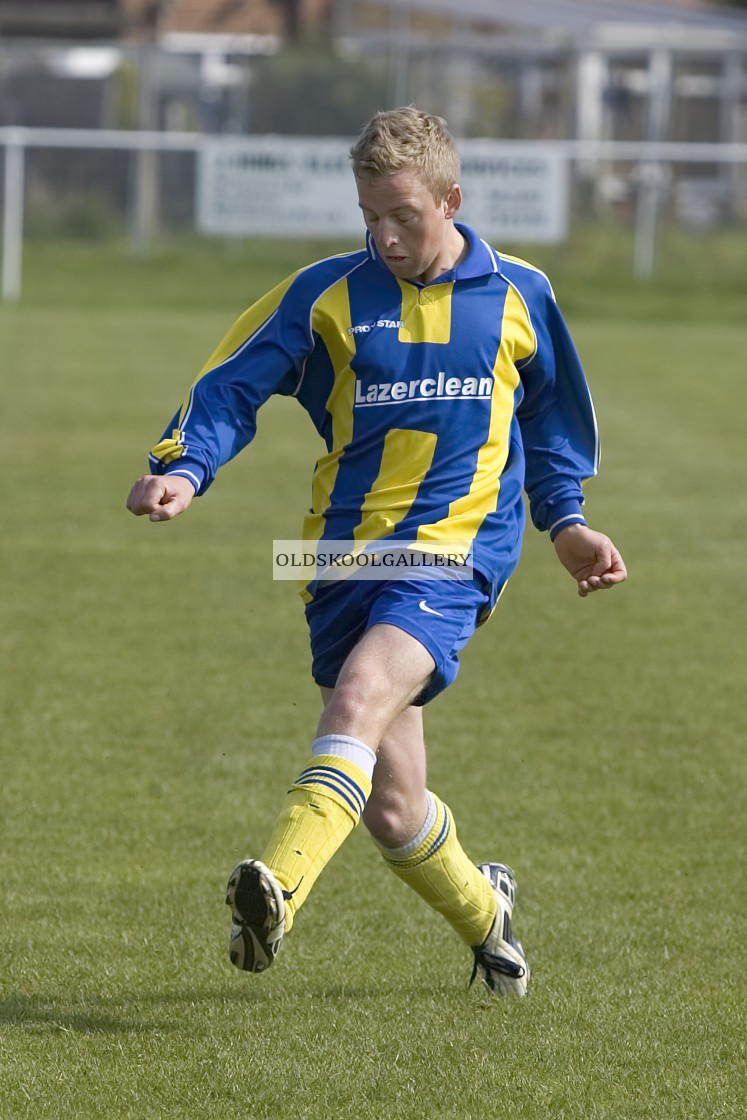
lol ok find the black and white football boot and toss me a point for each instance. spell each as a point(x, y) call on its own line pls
point(500, 959)
point(258, 916)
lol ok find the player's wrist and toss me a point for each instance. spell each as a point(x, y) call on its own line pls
point(572, 520)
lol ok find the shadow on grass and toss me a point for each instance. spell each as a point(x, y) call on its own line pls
point(143, 1013)
point(35, 1013)
point(129, 1013)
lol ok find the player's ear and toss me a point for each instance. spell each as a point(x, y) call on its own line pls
point(453, 201)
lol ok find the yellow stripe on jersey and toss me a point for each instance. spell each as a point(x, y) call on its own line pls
point(405, 460)
point(467, 513)
point(168, 450)
point(331, 320)
point(426, 313)
point(528, 266)
point(247, 324)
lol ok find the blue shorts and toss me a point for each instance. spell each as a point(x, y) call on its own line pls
point(441, 614)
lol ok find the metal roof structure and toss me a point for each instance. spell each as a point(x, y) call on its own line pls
point(588, 23)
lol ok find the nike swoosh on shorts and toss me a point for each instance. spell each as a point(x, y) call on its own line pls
point(428, 610)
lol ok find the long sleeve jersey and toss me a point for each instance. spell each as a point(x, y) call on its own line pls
point(438, 403)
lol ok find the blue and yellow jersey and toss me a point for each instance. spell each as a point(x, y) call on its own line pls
point(438, 404)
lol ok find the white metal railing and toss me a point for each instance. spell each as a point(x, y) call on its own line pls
point(15, 140)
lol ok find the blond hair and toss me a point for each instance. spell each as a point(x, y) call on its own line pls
point(407, 139)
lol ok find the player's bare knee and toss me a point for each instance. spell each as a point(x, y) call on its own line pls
point(358, 697)
point(347, 706)
point(388, 822)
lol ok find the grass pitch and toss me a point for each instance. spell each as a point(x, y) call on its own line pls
point(156, 702)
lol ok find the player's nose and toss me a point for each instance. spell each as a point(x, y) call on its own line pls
point(388, 236)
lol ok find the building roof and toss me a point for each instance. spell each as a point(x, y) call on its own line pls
point(108, 19)
point(227, 17)
point(589, 22)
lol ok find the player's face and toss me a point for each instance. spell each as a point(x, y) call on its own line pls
point(414, 235)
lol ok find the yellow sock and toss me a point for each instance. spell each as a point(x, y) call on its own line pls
point(435, 865)
point(323, 806)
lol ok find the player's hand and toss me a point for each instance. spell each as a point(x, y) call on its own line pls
point(591, 558)
point(160, 496)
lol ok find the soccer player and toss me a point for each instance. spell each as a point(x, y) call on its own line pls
point(444, 382)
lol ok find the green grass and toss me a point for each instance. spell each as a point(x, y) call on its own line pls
point(697, 276)
point(156, 701)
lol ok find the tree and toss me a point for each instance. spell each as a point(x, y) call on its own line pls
point(291, 10)
point(312, 90)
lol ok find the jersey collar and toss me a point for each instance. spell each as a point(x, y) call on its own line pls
point(481, 260)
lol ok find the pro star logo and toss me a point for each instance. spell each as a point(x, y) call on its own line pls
point(388, 324)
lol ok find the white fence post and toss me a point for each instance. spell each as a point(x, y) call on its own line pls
point(13, 217)
point(651, 176)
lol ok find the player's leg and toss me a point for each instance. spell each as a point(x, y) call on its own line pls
point(414, 828)
point(371, 709)
point(417, 837)
point(381, 675)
